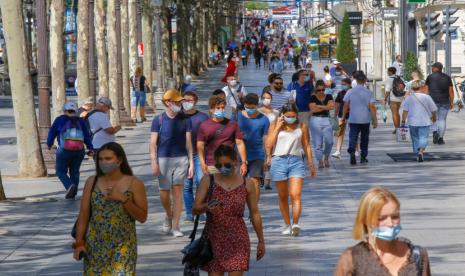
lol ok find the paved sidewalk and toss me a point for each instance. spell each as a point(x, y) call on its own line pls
point(35, 235)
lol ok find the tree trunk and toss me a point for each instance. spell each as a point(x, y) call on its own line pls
point(125, 55)
point(204, 33)
point(57, 57)
point(30, 159)
point(102, 58)
point(83, 51)
point(180, 34)
point(166, 45)
point(147, 39)
point(112, 63)
point(133, 56)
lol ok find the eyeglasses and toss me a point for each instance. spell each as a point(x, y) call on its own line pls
point(226, 165)
point(320, 90)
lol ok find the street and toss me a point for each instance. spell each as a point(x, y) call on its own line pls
point(35, 235)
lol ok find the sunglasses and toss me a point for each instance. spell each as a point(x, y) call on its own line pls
point(320, 90)
point(226, 165)
point(278, 83)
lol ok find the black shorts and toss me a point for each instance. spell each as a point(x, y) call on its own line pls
point(255, 168)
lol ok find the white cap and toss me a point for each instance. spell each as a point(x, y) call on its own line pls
point(70, 106)
point(188, 79)
point(336, 62)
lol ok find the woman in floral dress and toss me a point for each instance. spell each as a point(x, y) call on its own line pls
point(226, 227)
point(111, 202)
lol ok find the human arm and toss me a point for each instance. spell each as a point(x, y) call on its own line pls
point(243, 154)
point(87, 135)
point(273, 133)
point(53, 133)
point(344, 266)
point(404, 116)
point(426, 269)
point(135, 204)
point(255, 217)
point(190, 153)
point(200, 204)
point(201, 155)
point(308, 148)
point(345, 111)
point(112, 129)
point(153, 153)
point(451, 96)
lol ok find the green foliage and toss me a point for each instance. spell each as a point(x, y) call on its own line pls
point(411, 64)
point(345, 52)
point(256, 5)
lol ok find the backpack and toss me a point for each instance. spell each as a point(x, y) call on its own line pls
point(87, 123)
point(398, 87)
point(72, 135)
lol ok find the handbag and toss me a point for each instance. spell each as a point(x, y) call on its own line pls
point(198, 252)
point(73, 231)
point(403, 134)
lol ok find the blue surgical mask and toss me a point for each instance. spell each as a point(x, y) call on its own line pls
point(290, 120)
point(307, 78)
point(226, 171)
point(219, 114)
point(250, 111)
point(386, 233)
point(107, 168)
point(345, 87)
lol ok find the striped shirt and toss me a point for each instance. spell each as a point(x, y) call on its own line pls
point(281, 98)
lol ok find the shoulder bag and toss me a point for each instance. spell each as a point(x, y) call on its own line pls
point(198, 252)
point(73, 231)
point(424, 106)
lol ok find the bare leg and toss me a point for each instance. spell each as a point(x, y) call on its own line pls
point(295, 189)
point(236, 273)
point(215, 274)
point(283, 194)
point(395, 114)
point(177, 191)
point(166, 202)
point(256, 183)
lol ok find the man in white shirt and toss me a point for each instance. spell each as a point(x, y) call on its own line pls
point(100, 126)
point(399, 66)
point(234, 92)
point(389, 97)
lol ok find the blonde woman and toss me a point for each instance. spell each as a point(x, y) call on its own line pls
point(380, 251)
point(139, 85)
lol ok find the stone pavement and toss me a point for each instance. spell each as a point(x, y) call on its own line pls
point(35, 235)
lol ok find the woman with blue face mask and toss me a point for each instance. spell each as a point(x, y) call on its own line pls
point(223, 196)
point(381, 252)
point(288, 141)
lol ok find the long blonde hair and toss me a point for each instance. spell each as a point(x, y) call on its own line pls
point(370, 206)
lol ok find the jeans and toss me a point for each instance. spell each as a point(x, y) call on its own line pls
point(419, 135)
point(355, 129)
point(189, 186)
point(287, 166)
point(322, 136)
point(440, 125)
point(137, 98)
point(68, 161)
point(244, 61)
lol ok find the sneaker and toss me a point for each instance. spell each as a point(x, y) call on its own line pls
point(394, 131)
point(167, 224)
point(202, 219)
point(420, 157)
point(71, 192)
point(327, 165)
point(295, 230)
point(435, 137)
point(189, 219)
point(357, 154)
point(287, 230)
point(177, 234)
point(363, 160)
point(337, 155)
point(441, 141)
point(353, 160)
point(268, 187)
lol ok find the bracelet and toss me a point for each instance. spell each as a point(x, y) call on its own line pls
point(78, 244)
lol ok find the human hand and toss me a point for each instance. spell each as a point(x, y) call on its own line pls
point(243, 169)
point(155, 168)
point(214, 206)
point(260, 250)
point(78, 251)
point(114, 194)
point(190, 173)
point(375, 124)
point(268, 162)
point(312, 169)
point(204, 169)
point(280, 122)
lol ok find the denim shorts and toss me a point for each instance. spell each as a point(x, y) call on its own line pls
point(287, 166)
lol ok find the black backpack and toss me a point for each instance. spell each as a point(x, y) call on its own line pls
point(398, 87)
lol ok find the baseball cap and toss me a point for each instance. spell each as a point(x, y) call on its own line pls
point(438, 65)
point(105, 101)
point(336, 62)
point(70, 106)
point(173, 95)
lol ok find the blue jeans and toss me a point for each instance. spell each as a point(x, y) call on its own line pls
point(364, 130)
point(419, 136)
point(68, 161)
point(440, 125)
point(137, 98)
point(287, 166)
point(189, 186)
point(322, 136)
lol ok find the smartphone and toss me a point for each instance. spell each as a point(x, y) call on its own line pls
point(82, 255)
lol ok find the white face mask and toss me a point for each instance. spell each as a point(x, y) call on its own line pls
point(233, 83)
point(266, 102)
point(187, 106)
point(175, 108)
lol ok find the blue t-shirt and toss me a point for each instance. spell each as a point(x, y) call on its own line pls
point(253, 130)
point(196, 119)
point(171, 134)
point(303, 94)
point(359, 99)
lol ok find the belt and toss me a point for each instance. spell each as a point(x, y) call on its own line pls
point(321, 116)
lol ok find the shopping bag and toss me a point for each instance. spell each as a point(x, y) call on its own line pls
point(403, 134)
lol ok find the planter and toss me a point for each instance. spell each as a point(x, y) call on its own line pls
point(349, 67)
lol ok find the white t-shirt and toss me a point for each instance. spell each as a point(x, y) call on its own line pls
point(232, 100)
point(100, 120)
point(388, 85)
point(419, 114)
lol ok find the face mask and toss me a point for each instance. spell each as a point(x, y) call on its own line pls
point(266, 102)
point(175, 108)
point(345, 87)
point(338, 73)
point(226, 171)
point(233, 83)
point(251, 111)
point(307, 78)
point(187, 105)
point(289, 120)
point(108, 167)
point(219, 114)
point(386, 233)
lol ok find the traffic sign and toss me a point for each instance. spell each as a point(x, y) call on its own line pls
point(417, 1)
point(390, 13)
point(355, 18)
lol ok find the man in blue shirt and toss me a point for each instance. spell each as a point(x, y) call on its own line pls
point(171, 155)
point(254, 126)
point(361, 103)
point(196, 117)
point(302, 89)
